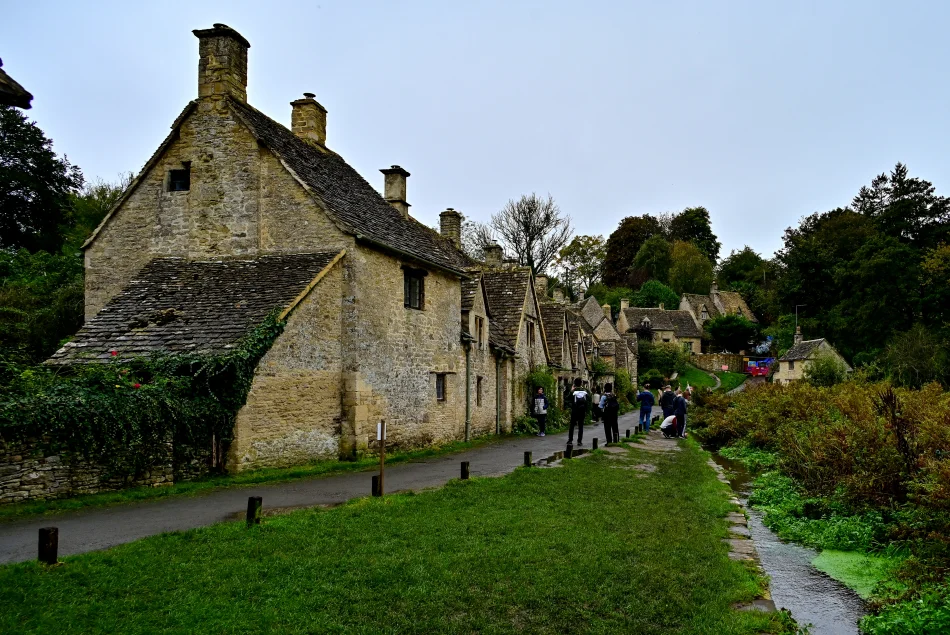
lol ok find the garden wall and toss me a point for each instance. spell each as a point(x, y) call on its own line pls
point(713, 362)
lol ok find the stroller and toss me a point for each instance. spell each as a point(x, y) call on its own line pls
point(668, 427)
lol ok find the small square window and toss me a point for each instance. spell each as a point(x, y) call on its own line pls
point(180, 180)
point(414, 288)
point(440, 387)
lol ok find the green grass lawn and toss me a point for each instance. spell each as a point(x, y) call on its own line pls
point(587, 548)
point(730, 380)
point(254, 477)
point(696, 378)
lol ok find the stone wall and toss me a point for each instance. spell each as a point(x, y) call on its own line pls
point(529, 355)
point(713, 362)
point(483, 369)
point(27, 473)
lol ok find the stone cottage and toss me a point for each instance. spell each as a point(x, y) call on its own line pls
point(717, 303)
point(791, 366)
point(676, 327)
point(236, 216)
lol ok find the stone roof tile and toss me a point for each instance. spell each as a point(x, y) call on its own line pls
point(506, 290)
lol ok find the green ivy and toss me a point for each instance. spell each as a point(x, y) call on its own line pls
point(127, 415)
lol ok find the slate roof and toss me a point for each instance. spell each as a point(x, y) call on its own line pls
point(683, 324)
point(696, 300)
point(348, 198)
point(731, 301)
point(801, 350)
point(11, 93)
point(552, 316)
point(177, 305)
point(470, 289)
point(659, 318)
point(506, 290)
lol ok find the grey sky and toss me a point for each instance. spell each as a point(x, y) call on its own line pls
point(762, 113)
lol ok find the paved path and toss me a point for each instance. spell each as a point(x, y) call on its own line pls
point(92, 529)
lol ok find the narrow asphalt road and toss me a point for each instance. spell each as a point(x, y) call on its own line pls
point(93, 529)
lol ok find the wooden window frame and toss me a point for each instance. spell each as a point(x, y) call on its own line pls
point(478, 391)
point(179, 180)
point(410, 275)
point(479, 330)
point(530, 329)
point(441, 387)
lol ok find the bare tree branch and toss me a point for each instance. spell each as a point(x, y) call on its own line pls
point(534, 229)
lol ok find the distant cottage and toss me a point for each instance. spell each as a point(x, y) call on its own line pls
point(236, 216)
point(791, 366)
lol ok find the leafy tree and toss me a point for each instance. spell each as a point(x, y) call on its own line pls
point(825, 369)
point(654, 293)
point(534, 229)
point(741, 266)
point(733, 333)
point(475, 237)
point(935, 290)
point(623, 245)
point(655, 258)
point(916, 357)
point(581, 261)
point(610, 295)
point(35, 185)
point(693, 225)
point(691, 271)
point(89, 207)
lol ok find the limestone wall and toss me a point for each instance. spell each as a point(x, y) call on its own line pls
point(713, 362)
point(483, 368)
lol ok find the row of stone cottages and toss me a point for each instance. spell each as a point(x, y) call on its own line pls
point(235, 216)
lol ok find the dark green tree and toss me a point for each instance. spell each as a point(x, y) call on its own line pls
point(653, 293)
point(622, 247)
point(35, 185)
point(655, 258)
point(692, 271)
point(733, 333)
point(693, 225)
point(741, 266)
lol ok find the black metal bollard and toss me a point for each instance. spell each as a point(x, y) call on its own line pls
point(527, 459)
point(464, 470)
point(594, 444)
point(569, 451)
point(376, 485)
point(254, 504)
point(49, 545)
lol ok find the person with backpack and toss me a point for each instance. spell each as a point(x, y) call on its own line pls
point(578, 412)
point(540, 410)
point(645, 397)
point(666, 401)
point(610, 406)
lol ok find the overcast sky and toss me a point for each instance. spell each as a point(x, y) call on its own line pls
point(762, 113)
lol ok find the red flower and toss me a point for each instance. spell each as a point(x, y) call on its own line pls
point(114, 352)
point(136, 385)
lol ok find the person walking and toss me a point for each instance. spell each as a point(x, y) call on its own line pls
point(610, 407)
point(595, 405)
point(666, 401)
point(541, 410)
point(578, 412)
point(645, 397)
point(679, 409)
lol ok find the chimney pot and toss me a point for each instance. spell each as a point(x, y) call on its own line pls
point(308, 119)
point(494, 255)
point(798, 335)
point(450, 226)
point(624, 304)
point(222, 62)
point(606, 309)
point(394, 190)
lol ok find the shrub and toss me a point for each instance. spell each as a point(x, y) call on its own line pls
point(666, 357)
point(826, 369)
point(652, 379)
point(542, 378)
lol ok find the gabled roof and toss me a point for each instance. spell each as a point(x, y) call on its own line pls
point(185, 306)
point(801, 350)
point(697, 301)
point(659, 318)
point(470, 290)
point(348, 198)
point(507, 290)
point(11, 93)
point(683, 324)
point(731, 301)
point(553, 317)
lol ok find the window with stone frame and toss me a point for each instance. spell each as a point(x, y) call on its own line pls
point(704, 314)
point(180, 180)
point(440, 386)
point(478, 391)
point(791, 365)
point(479, 331)
point(530, 333)
point(414, 288)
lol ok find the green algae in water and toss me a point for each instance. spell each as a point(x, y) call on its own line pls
point(859, 571)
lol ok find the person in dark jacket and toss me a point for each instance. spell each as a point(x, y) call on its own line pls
point(578, 405)
point(645, 397)
point(666, 401)
point(679, 409)
point(610, 407)
point(540, 410)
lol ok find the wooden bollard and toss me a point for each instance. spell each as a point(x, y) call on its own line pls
point(593, 445)
point(569, 451)
point(628, 433)
point(464, 470)
point(254, 504)
point(527, 459)
point(49, 545)
point(376, 485)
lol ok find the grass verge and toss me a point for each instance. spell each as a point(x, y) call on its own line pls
point(269, 475)
point(695, 378)
point(730, 381)
point(583, 548)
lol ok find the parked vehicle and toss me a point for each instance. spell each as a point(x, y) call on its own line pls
point(759, 368)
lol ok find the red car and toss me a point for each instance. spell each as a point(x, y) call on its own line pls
point(758, 368)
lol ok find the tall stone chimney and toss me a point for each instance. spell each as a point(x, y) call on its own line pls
point(308, 119)
point(606, 309)
point(493, 255)
point(624, 304)
point(450, 226)
point(713, 288)
point(541, 286)
point(558, 294)
point(798, 335)
point(222, 62)
point(395, 189)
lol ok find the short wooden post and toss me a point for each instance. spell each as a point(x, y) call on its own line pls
point(376, 491)
point(527, 459)
point(628, 433)
point(254, 504)
point(49, 545)
point(593, 445)
point(569, 452)
point(464, 470)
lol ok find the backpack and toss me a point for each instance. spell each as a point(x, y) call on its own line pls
point(580, 403)
point(612, 406)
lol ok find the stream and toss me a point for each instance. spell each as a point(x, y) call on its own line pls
point(814, 599)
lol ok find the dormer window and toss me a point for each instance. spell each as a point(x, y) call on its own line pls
point(703, 314)
point(180, 180)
